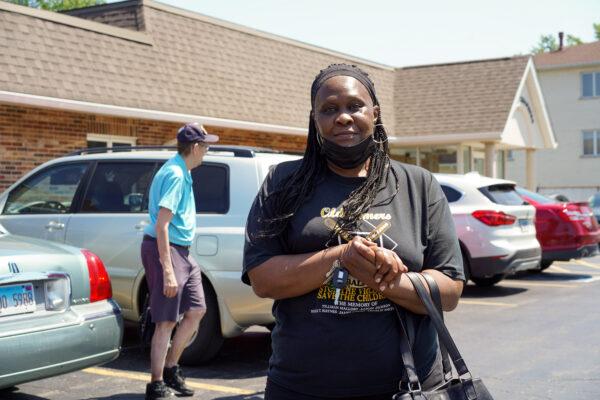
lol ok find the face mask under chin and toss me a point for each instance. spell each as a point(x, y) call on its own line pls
point(347, 157)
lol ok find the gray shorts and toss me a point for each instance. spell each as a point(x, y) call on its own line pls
point(190, 295)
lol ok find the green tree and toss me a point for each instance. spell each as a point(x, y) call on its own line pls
point(573, 40)
point(546, 44)
point(57, 5)
point(597, 31)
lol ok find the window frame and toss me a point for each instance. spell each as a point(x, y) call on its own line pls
point(595, 85)
point(76, 195)
point(227, 169)
point(90, 174)
point(111, 139)
point(595, 143)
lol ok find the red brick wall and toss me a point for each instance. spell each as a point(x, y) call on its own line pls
point(30, 136)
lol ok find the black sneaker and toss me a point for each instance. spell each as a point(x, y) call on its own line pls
point(157, 390)
point(175, 380)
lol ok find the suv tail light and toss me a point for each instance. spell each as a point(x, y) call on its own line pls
point(571, 215)
point(494, 218)
point(100, 288)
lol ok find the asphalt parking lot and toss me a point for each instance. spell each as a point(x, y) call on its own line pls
point(533, 336)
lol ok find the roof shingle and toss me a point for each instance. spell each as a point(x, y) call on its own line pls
point(469, 97)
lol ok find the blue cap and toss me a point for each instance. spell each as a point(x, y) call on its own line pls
point(194, 132)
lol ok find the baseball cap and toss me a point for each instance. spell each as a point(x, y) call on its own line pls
point(194, 132)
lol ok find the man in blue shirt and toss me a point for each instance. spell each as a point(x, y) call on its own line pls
point(174, 278)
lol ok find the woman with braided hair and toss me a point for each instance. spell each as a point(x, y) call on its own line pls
point(329, 237)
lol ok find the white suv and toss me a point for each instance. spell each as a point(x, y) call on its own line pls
point(495, 226)
point(99, 201)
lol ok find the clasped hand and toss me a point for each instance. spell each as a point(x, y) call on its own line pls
point(376, 267)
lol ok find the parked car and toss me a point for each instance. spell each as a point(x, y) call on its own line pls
point(495, 226)
point(594, 202)
point(56, 311)
point(565, 230)
point(99, 201)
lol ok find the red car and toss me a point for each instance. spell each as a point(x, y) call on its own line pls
point(564, 230)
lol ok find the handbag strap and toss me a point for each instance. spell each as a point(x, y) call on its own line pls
point(434, 290)
point(414, 386)
point(443, 334)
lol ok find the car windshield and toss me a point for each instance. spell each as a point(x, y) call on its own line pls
point(538, 198)
point(595, 200)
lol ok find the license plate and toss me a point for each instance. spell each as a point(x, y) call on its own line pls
point(17, 299)
point(524, 224)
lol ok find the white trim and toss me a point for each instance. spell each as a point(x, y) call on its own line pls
point(80, 23)
point(255, 32)
point(153, 115)
point(544, 123)
point(448, 138)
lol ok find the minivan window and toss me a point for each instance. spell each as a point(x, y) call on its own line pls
point(504, 194)
point(118, 187)
point(50, 191)
point(211, 188)
point(451, 194)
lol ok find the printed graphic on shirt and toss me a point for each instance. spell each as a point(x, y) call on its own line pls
point(355, 297)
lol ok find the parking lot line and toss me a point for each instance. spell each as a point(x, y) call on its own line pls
point(560, 269)
point(587, 264)
point(146, 378)
point(487, 303)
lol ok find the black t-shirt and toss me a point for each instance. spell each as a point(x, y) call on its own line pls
point(352, 349)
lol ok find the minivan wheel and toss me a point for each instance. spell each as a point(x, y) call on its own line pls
point(486, 282)
point(208, 340)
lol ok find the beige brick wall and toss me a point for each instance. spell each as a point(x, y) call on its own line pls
point(30, 136)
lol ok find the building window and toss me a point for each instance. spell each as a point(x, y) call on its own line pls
point(95, 140)
point(590, 84)
point(591, 143)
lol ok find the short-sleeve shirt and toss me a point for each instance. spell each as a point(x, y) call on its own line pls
point(172, 189)
point(353, 348)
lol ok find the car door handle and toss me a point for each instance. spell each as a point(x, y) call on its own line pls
point(141, 225)
point(55, 225)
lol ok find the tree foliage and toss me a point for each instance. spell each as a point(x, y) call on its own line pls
point(57, 5)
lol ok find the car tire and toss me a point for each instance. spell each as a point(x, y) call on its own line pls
point(466, 264)
point(544, 264)
point(209, 339)
point(487, 282)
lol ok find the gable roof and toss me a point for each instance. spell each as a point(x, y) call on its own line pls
point(142, 58)
point(182, 62)
point(473, 97)
point(572, 56)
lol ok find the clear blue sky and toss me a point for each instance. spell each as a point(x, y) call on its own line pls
point(401, 33)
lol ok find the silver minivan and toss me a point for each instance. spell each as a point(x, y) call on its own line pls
point(99, 201)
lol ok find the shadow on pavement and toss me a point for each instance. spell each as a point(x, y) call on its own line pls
point(14, 394)
point(549, 276)
point(473, 291)
point(245, 356)
point(255, 396)
point(121, 396)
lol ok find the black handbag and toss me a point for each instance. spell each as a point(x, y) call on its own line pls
point(461, 386)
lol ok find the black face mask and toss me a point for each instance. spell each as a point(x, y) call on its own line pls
point(347, 157)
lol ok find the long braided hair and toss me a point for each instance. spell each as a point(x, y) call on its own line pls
point(299, 186)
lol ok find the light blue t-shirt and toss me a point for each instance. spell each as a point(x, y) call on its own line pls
point(172, 189)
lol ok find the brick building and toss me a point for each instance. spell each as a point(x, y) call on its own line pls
point(130, 73)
